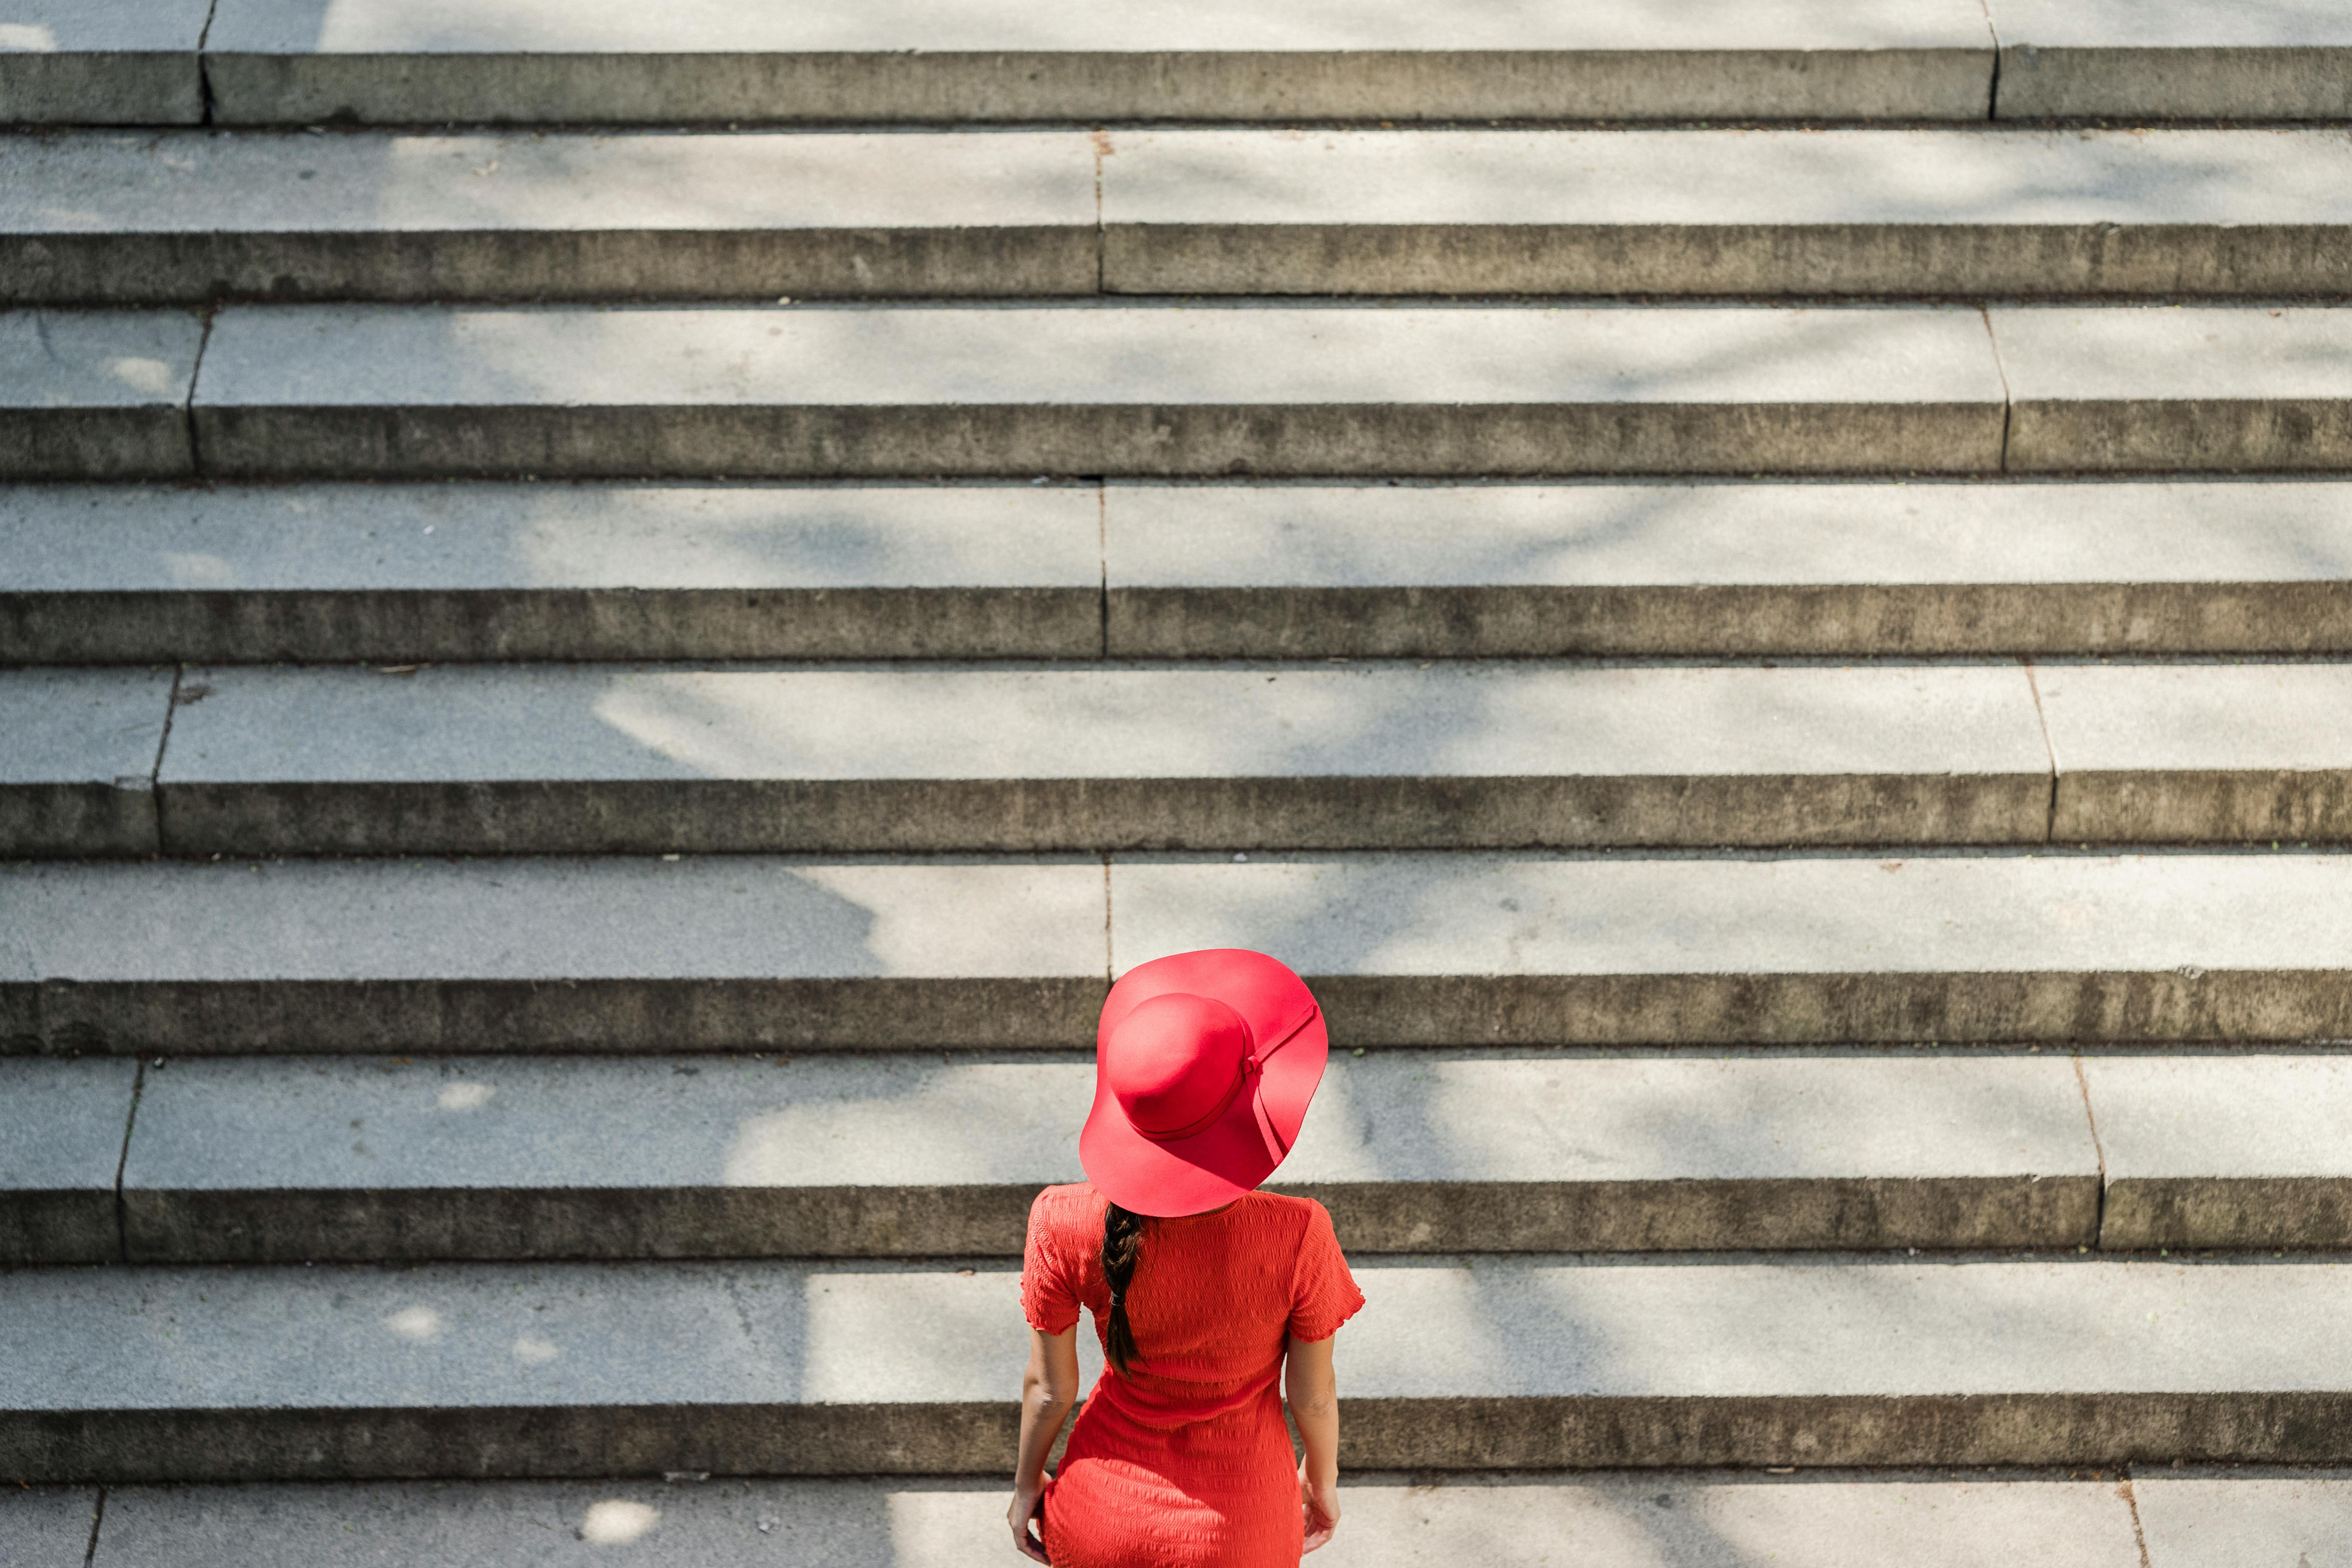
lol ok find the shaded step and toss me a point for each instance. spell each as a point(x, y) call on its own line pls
point(488, 1370)
point(100, 395)
point(1831, 1520)
point(2222, 1151)
point(417, 61)
point(110, 219)
point(583, 759)
point(2176, 59)
point(61, 1146)
point(180, 219)
point(284, 1159)
point(1745, 212)
point(2139, 389)
point(398, 573)
point(1722, 569)
point(754, 953)
point(102, 62)
point(76, 775)
point(389, 391)
point(639, 954)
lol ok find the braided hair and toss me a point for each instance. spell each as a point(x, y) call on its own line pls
point(1122, 1244)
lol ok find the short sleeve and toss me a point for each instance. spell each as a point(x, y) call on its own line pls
point(1323, 1294)
point(1049, 1293)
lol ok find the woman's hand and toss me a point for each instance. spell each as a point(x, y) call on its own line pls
point(1023, 1509)
point(1319, 1503)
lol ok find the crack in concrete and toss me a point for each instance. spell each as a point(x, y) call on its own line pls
point(122, 1163)
point(2098, 1150)
point(2049, 749)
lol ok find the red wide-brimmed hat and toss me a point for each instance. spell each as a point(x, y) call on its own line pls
point(1204, 1066)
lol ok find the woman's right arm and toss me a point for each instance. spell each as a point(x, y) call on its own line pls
point(1314, 1394)
point(1048, 1389)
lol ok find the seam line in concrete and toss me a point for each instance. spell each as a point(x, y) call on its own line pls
point(97, 1519)
point(1101, 139)
point(170, 706)
point(2131, 1503)
point(122, 1163)
point(203, 341)
point(2049, 750)
point(1102, 560)
point(205, 102)
point(2007, 402)
point(1111, 961)
point(2098, 1150)
point(1992, 87)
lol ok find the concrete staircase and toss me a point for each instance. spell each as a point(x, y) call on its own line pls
point(614, 623)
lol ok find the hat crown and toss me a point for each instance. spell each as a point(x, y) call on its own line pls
point(1173, 1061)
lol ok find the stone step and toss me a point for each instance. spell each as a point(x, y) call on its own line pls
point(588, 759)
point(536, 61)
point(2174, 60)
point(1509, 1519)
point(484, 1371)
point(109, 219)
point(402, 574)
point(380, 1159)
point(392, 392)
point(102, 62)
point(97, 394)
point(725, 953)
point(373, 1159)
point(584, 758)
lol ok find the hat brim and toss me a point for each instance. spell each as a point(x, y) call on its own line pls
point(1229, 1157)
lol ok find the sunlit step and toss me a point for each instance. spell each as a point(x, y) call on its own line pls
point(639, 954)
point(107, 219)
point(1457, 1363)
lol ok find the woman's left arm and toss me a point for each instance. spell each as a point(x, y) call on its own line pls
point(1048, 1389)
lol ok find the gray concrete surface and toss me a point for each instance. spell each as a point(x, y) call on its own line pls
point(598, 760)
point(370, 1159)
point(46, 1527)
point(76, 775)
point(2221, 1520)
point(114, 219)
point(2174, 60)
point(397, 574)
point(389, 391)
point(1733, 213)
point(1725, 569)
point(1839, 1520)
point(2176, 388)
point(549, 955)
point(1494, 950)
point(98, 394)
point(2223, 1150)
point(483, 1371)
point(2213, 752)
point(440, 60)
point(60, 1145)
point(101, 62)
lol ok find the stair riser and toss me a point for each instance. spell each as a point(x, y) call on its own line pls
point(1025, 816)
point(1734, 261)
point(502, 1225)
point(657, 1016)
point(1145, 441)
point(1447, 1434)
point(460, 626)
point(1144, 85)
point(96, 444)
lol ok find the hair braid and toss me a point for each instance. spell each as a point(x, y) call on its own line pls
point(1122, 1244)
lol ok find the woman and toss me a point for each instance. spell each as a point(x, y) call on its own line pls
point(1203, 1290)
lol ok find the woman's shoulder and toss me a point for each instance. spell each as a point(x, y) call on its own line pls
point(1071, 1206)
point(1293, 1217)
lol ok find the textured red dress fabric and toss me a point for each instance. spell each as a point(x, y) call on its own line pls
point(1185, 1461)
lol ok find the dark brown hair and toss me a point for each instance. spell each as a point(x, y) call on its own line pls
point(1122, 1244)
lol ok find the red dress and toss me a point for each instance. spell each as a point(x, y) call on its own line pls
point(1185, 1461)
